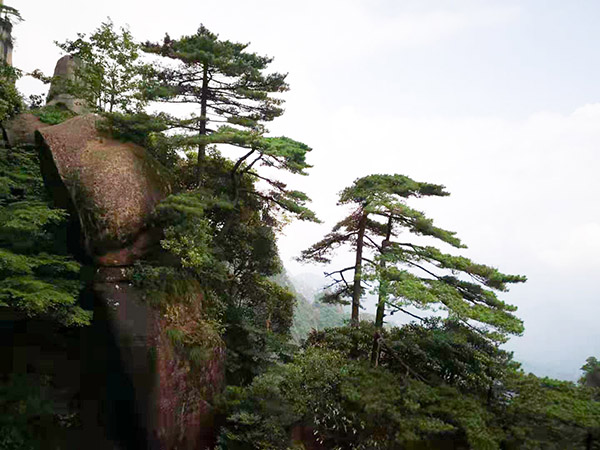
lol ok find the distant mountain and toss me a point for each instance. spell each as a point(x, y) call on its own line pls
point(309, 285)
point(310, 314)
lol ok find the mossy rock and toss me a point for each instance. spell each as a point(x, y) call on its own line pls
point(113, 186)
point(20, 130)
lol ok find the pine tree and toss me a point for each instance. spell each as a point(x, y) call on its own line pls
point(234, 96)
point(410, 274)
point(38, 277)
point(227, 83)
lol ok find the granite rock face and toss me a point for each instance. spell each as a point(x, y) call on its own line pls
point(113, 186)
point(20, 130)
point(64, 73)
point(593, 379)
point(6, 40)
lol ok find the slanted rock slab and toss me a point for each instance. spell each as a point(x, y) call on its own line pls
point(20, 130)
point(114, 186)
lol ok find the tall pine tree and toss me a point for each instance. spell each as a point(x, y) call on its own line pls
point(228, 84)
point(411, 274)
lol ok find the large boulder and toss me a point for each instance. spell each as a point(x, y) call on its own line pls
point(20, 130)
point(65, 73)
point(147, 389)
point(113, 187)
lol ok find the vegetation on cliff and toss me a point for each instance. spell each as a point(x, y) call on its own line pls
point(217, 280)
point(37, 274)
point(11, 102)
point(437, 385)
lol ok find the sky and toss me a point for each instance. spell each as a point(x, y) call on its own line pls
point(497, 100)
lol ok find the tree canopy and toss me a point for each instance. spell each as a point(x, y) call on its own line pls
point(410, 274)
point(108, 73)
point(228, 84)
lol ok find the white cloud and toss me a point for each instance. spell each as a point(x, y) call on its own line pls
point(578, 250)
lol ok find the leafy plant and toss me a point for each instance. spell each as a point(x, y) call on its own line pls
point(37, 274)
point(53, 114)
point(108, 74)
point(11, 102)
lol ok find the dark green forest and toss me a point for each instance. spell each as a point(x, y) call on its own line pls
point(260, 366)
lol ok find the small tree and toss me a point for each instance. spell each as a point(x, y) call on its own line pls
point(227, 83)
point(591, 372)
point(108, 74)
point(410, 274)
point(11, 101)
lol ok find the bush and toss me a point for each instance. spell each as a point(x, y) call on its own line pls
point(11, 102)
point(53, 114)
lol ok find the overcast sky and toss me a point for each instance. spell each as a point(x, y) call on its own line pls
point(498, 100)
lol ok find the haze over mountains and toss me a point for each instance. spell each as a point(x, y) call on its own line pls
point(312, 314)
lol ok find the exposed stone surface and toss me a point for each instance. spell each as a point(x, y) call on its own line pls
point(171, 396)
point(6, 42)
point(593, 379)
point(132, 322)
point(64, 72)
point(185, 419)
point(21, 129)
point(113, 185)
point(157, 398)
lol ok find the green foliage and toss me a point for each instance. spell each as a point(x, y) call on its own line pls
point(436, 351)
point(37, 275)
point(410, 274)
point(53, 114)
point(229, 85)
point(591, 372)
point(222, 234)
point(346, 404)
point(437, 386)
point(108, 75)
point(26, 416)
point(145, 130)
point(550, 414)
point(9, 14)
point(221, 75)
point(251, 347)
point(233, 255)
point(11, 102)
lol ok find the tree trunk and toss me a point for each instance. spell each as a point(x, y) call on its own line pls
point(203, 120)
point(381, 299)
point(356, 289)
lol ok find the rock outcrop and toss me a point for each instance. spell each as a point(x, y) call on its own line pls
point(65, 73)
point(6, 41)
point(592, 379)
point(111, 188)
point(20, 130)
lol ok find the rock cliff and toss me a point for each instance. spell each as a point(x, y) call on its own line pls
point(137, 390)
